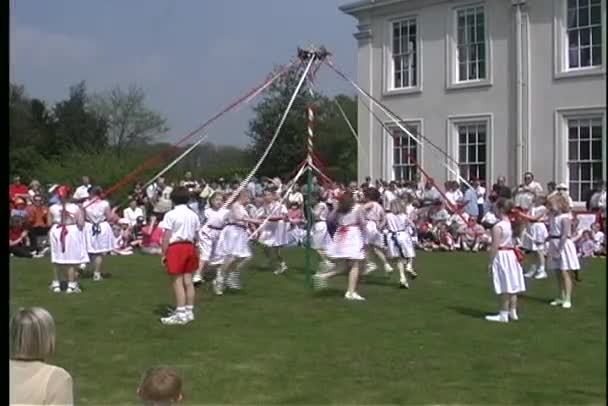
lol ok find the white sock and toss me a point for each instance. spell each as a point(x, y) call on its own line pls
point(181, 310)
point(72, 285)
point(504, 314)
point(55, 283)
point(513, 312)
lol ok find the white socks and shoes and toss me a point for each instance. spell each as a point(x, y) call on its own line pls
point(388, 268)
point(541, 274)
point(369, 268)
point(531, 272)
point(282, 268)
point(565, 304)
point(55, 287)
point(73, 288)
point(181, 316)
point(218, 284)
point(353, 296)
point(502, 317)
point(403, 283)
point(97, 276)
point(197, 278)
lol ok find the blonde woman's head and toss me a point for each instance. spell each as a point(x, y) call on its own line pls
point(396, 206)
point(31, 334)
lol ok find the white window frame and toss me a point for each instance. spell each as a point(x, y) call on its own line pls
point(562, 115)
point(418, 123)
point(452, 142)
point(388, 86)
point(452, 79)
point(561, 69)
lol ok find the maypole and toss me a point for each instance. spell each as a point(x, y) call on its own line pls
point(317, 55)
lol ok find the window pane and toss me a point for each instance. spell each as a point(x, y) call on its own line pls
point(412, 29)
point(405, 155)
point(584, 131)
point(597, 171)
point(572, 18)
point(571, 3)
point(596, 55)
point(481, 69)
point(573, 169)
point(404, 30)
point(596, 1)
point(462, 71)
point(462, 154)
point(481, 134)
point(583, 16)
point(586, 172)
point(481, 174)
point(573, 58)
point(583, 3)
point(472, 135)
point(462, 54)
point(572, 129)
point(573, 150)
point(473, 70)
point(596, 15)
point(473, 52)
point(462, 135)
point(396, 156)
point(585, 36)
point(573, 39)
point(596, 130)
point(472, 153)
point(480, 33)
point(481, 153)
point(471, 34)
point(584, 151)
point(460, 35)
point(596, 36)
point(585, 188)
point(596, 150)
point(470, 19)
point(481, 52)
point(461, 20)
point(397, 140)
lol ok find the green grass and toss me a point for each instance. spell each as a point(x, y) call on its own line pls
point(278, 342)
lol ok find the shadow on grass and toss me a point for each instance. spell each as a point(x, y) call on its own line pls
point(535, 299)
point(162, 310)
point(328, 293)
point(467, 311)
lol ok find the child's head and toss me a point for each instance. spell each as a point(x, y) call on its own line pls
point(160, 386)
point(345, 203)
point(503, 206)
point(595, 227)
point(558, 204)
point(268, 196)
point(216, 200)
point(587, 235)
point(180, 196)
point(294, 206)
point(540, 200)
point(396, 206)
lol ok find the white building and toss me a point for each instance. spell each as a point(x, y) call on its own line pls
point(504, 86)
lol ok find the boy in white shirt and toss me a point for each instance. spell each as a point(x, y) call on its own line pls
point(180, 255)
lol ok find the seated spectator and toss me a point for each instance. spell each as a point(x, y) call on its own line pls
point(17, 189)
point(160, 386)
point(19, 208)
point(430, 195)
point(82, 192)
point(18, 238)
point(132, 213)
point(152, 236)
point(472, 236)
point(585, 245)
point(31, 343)
point(599, 238)
point(137, 235)
point(121, 239)
point(438, 213)
point(38, 223)
point(35, 189)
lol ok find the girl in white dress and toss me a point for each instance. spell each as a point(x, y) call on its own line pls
point(561, 252)
point(233, 244)
point(398, 242)
point(97, 229)
point(374, 223)
point(505, 269)
point(68, 245)
point(274, 234)
point(535, 237)
point(320, 238)
point(209, 234)
point(347, 245)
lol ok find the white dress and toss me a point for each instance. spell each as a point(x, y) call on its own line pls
point(398, 240)
point(275, 233)
point(507, 275)
point(71, 249)
point(372, 235)
point(348, 242)
point(566, 259)
point(97, 231)
point(234, 238)
point(209, 234)
point(536, 233)
point(320, 235)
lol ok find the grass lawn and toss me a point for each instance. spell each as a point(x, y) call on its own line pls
point(279, 342)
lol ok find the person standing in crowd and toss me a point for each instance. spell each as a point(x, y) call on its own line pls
point(68, 245)
point(208, 235)
point(53, 196)
point(180, 256)
point(82, 192)
point(504, 267)
point(31, 344)
point(551, 189)
point(37, 220)
point(470, 200)
point(296, 196)
point(98, 232)
point(500, 189)
point(132, 212)
point(593, 197)
point(162, 200)
point(562, 189)
point(17, 189)
point(481, 198)
point(35, 189)
point(190, 183)
point(561, 251)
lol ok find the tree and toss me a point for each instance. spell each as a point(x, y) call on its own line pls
point(334, 142)
point(129, 121)
point(78, 127)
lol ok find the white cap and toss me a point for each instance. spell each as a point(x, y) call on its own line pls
point(562, 186)
point(123, 221)
point(53, 187)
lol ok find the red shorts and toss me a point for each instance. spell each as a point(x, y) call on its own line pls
point(181, 258)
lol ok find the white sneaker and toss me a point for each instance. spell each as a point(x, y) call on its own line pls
point(318, 281)
point(173, 320)
point(37, 255)
point(83, 267)
point(369, 268)
point(55, 287)
point(188, 317)
point(97, 276)
point(388, 268)
point(566, 305)
point(475, 248)
point(353, 296)
point(44, 251)
point(282, 268)
point(218, 286)
point(513, 315)
point(530, 273)
point(557, 302)
point(74, 289)
point(196, 278)
point(403, 284)
point(497, 318)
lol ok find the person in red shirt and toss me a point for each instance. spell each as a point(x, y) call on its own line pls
point(18, 239)
point(152, 236)
point(37, 221)
point(17, 189)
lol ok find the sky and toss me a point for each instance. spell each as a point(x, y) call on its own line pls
point(192, 57)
